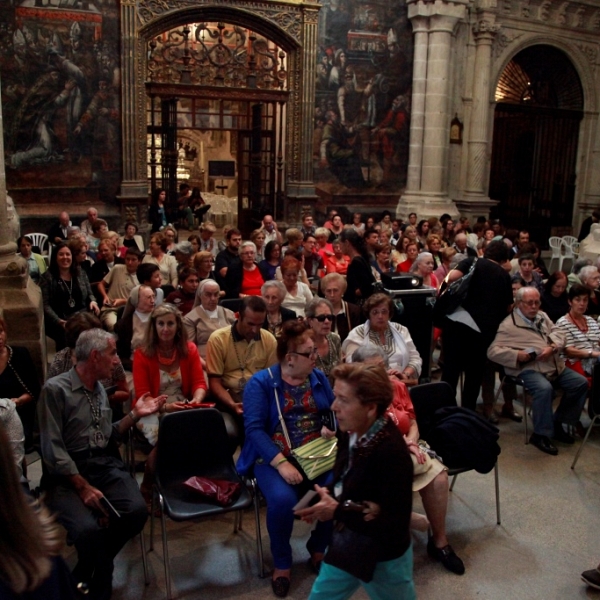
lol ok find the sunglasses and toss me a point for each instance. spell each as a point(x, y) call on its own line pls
point(323, 318)
point(313, 352)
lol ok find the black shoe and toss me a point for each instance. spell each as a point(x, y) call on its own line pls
point(281, 586)
point(592, 578)
point(560, 435)
point(543, 443)
point(511, 413)
point(446, 556)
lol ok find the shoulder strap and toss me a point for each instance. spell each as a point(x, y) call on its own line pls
point(281, 420)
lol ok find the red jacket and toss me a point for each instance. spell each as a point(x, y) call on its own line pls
point(146, 373)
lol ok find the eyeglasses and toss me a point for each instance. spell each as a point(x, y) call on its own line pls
point(312, 352)
point(531, 303)
point(323, 318)
point(380, 311)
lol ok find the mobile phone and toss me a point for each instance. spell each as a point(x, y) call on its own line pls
point(532, 352)
point(328, 420)
point(305, 500)
point(109, 508)
point(353, 506)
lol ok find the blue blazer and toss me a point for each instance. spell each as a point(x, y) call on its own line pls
point(261, 416)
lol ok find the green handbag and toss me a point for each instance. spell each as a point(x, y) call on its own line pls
point(314, 458)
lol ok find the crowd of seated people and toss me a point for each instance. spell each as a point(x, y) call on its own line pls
point(301, 302)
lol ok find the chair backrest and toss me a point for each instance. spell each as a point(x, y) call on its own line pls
point(595, 391)
point(39, 240)
point(233, 304)
point(192, 442)
point(429, 397)
point(555, 244)
point(567, 243)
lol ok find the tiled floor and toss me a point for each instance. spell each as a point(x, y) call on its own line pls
point(549, 534)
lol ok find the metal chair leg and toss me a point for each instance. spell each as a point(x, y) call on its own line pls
point(584, 441)
point(524, 400)
point(259, 548)
point(497, 482)
point(152, 510)
point(144, 558)
point(163, 522)
point(453, 482)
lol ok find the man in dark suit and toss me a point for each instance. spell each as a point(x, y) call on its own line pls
point(60, 231)
point(461, 246)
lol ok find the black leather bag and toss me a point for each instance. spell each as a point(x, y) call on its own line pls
point(451, 296)
point(352, 552)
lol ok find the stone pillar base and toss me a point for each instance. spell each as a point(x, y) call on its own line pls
point(22, 308)
point(425, 205)
point(475, 206)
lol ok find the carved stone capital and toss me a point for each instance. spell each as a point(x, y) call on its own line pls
point(485, 27)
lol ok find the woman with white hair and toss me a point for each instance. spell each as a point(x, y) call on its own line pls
point(423, 266)
point(206, 316)
point(273, 293)
point(590, 278)
point(244, 278)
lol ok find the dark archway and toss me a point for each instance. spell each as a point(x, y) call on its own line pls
point(536, 132)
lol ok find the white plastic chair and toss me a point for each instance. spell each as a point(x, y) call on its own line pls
point(556, 243)
point(568, 244)
point(40, 240)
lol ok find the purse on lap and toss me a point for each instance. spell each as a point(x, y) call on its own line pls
point(316, 457)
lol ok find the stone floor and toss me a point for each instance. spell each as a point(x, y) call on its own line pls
point(548, 536)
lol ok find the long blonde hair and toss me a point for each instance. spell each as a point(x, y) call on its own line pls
point(29, 537)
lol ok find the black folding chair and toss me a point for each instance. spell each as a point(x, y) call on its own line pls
point(593, 409)
point(195, 443)
point(426, 399)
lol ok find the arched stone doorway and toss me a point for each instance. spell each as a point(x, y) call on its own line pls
point(536, 133)
point(290, 26)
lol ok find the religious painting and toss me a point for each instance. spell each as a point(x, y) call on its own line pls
point(362, 104)
point(60, 94)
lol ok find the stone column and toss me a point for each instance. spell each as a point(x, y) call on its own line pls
point(20, 298)
point(433, 25)
point(476, 200)
point(134, 186)
point(417, 110)
point(300, 185)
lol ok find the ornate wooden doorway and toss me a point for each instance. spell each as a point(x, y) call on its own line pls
point(216, 105)
point(536, 132)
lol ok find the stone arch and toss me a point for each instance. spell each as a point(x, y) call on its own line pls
point(542, 110)
point(289, 24)
point(578, 57)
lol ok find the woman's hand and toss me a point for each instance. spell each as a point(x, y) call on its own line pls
point(327, 433)
point(323, 510)
point(177, 406)
point(94, 308)
point(414, 449)
point(289, 473)
point(372, 511)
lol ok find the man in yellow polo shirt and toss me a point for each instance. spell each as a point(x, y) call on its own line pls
point(235, 353)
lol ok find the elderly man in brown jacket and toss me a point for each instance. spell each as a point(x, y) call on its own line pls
point(527, 345)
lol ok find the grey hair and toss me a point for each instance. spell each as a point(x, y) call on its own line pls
point(252, 245)
point(587, 272)
point(273, 283)
point(203, 284)
point(579, 264)
point(522, 291)
point(420, 258)
point(92, 339)
point(311, 307)
point(368, 351)
point(185, 248)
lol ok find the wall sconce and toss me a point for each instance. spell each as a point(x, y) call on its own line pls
point(456, 130)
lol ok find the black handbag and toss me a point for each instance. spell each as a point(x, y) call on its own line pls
point(451, 296)
point(352, 552)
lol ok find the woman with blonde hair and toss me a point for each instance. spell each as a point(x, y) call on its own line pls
point(166, 263)
point(258, 237)
point(30, 543)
